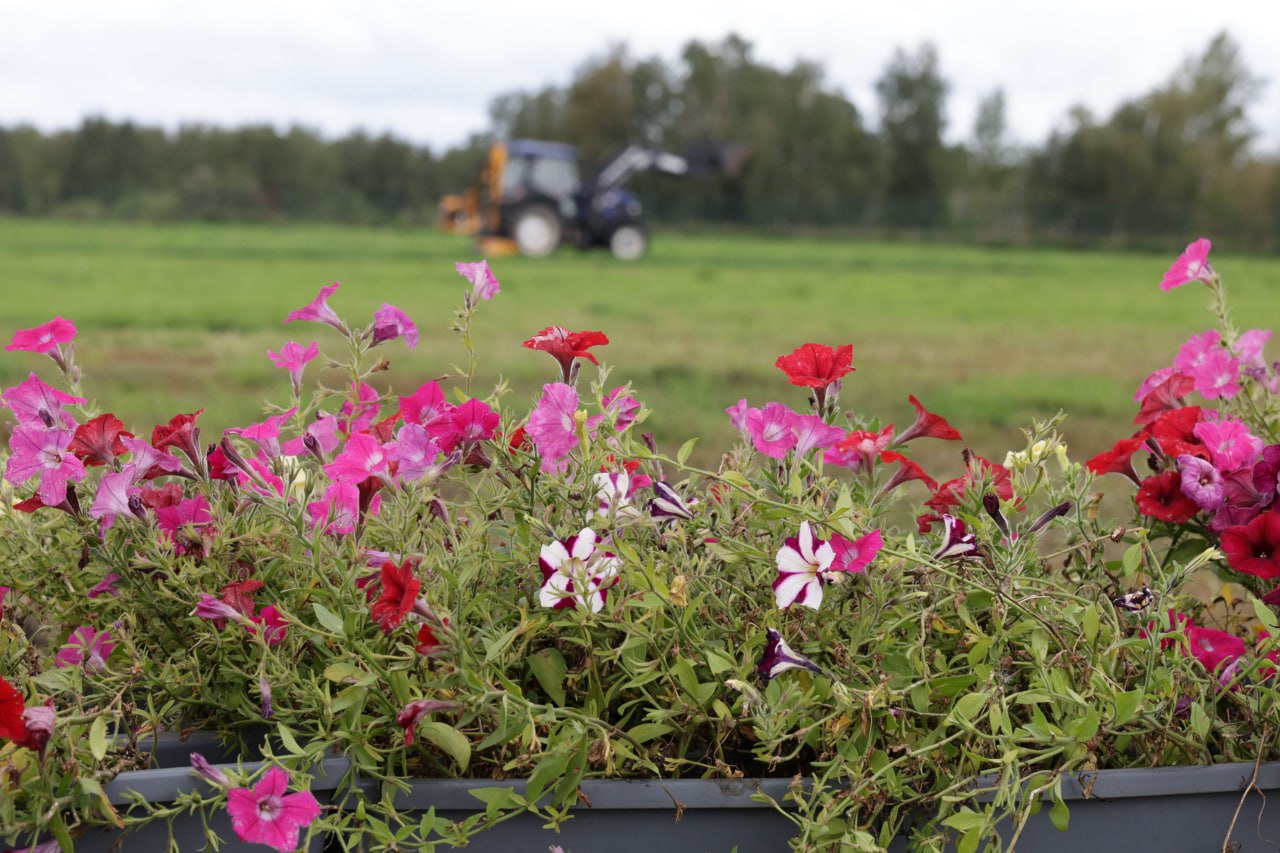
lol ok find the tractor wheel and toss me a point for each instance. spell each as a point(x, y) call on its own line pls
point(628, 243)
point(536, 230)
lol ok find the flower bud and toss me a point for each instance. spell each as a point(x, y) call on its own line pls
point(206, 771)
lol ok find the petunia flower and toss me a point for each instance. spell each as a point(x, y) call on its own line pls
point(816, 365)
point(621, 408)
point(182, 433)
point(778, 657)
point(218, 611)
point(484, 284)
point(1230, 444)
point(206, 771)
point(552, 426)
point(738, 415)
point(338, 510)
point(804, 564)
point(1218, 376)
point(1119, 459)
point(294, 357)
point(86, 647)
point(40, 452)
point(812, 433)
point(1191, 265)
point(908, 470)
point(425, 405)
point(118, 494)
point(264, 814)
point(1213, 648)
point(45, 338)
point(275, 628)
point(106, 586)
point(1201, 482)
point(389, 323)
point(770, 429)
point(575, 573)
point(1249, 347)
point(186, 524)
point(148, 461)
point(40, 721)
point(614, 492)
point(859, 449)
point(1244, 502)
point(12, 705)
point(1169, 394)
point(565, 346)
point(318, 310)
point(320, 438)
point(668, 503)
point(470, 423)
point(34, 403)
point(1154, 379)
point(1160, 496)
point(957, 542)
point(1266, 474)
point(99, 441)
point(1174, 432)
point(411, 714)
point(359, 415)
point(1254, 548)
point(854, 556)
point(926, 425)
point(398, 596)
point(362, 457)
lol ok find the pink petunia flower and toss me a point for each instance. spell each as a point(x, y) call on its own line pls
point(575, 573)
point(266, 434)
point(41, 452)
point(1201, 482)
point(1217, 376)
point(87, 647)
point(106, 586)
point(812, 433)
point(552, 427)
point(1213, 648)
point(1250, 346)
point(471, 422)
point(738, 415)
point(859, 450)
point(293, 357)
point(44, 338)
point(320, 438)
point(186, 524)
point(318, 310)
point(770, 429)
point(484, 284)
point(36, 404)
point(265, 814)
point(1231, 446)
point(425, 405)
point(413, 451)
point(275, 628)
point(389, 323)
point(1197, 348)
point(411, 714)
point(1191, 265)
point(803, 563)
point(359, 416)
point(362, 457)
point(621, 408)
point(1154, 380)
point(118, 494)
point(338, 510)
point(854, 556)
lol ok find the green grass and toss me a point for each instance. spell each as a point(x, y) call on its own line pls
point(174, 318)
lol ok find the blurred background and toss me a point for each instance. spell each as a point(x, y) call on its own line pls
point(980, 197)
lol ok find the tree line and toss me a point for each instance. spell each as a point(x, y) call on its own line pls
point(1178, 160)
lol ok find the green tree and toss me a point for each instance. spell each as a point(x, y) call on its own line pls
point(912, 96)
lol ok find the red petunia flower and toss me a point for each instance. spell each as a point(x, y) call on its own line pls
point(1214, 649)
point(1119, 459)
point(99, 441)
point(181, 432)
point(564, 346)
point(816, 365)
point(1174, 432)
point(907, 471)
point(1254, 548)
point(12, 726)
point(1161, 497)
point(427, 641)
point(949, 495)
point(1168, 395)
point(399, 592)
point(927, 425)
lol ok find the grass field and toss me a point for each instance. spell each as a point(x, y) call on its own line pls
point(173, 318)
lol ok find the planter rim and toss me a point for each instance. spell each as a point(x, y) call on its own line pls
point(165, 784)
point(454, 794)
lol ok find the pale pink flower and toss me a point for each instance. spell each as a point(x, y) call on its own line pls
point(812, 433)
point(1201, 482)
point(318, 310)
point(37, 404)
point(738, 415)
point(1250, 346)
point(389, 323)
point(87, 647)
point(413, 452)
point(484, 284)
point(359, 416)
point(148, 461)
point(264, 814)
point(802, 563)
point(1196, 350)
point(293, 357)
point(621, 407)
point(552, 427)
point(41, 452)
point(44, 338)
point(1191, 265)
point(770, 429)
point(1231, 446)
point(118, 494)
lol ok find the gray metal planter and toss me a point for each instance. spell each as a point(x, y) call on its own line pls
point(1166, 809)
point(171, 776)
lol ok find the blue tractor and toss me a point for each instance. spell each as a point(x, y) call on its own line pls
point(530, 196)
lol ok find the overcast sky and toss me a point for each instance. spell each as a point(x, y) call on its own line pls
point(426, 70)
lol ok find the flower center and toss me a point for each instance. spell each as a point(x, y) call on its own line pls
point(269, 809)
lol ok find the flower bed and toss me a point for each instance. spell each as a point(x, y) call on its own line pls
point(451, 584)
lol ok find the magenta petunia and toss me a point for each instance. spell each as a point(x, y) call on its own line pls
point(318, 310)
point(338, 510)
point(186, 524)
point(118, 494)
point(266, 434)
point(86, 647)
point(1250, 346)
point(738, 415)
point(484, 284)
point(425, 405)
point(1213, 648)
point(360, 415)
point(37, 404)
point(320, 438)
point(552, 426)
point(1217, 376)
point(471, 422)
point(106, 586)
point(1230, 444)
point(265, 814)
point(275, 628)
point(621, 408)
point(860, 449)
point(1191, 265)
point(293, 357)
point(770, 429)
point(413, 451)
point(43, 453)
point(812, 433)
point(44, 338)
point(1201, 482)
point(362, 457)
point(1197, 348)
point(148, 461)
point(854, 556)
point(389, 323)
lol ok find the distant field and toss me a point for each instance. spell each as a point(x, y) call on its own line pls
point(173, 318)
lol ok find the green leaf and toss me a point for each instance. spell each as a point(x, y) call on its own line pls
point(718, 662)
point(969, 843)
point(550, 767)
point(682, 455)
point(1199, 720)
point(970, 704)
point(549, 668)
point(496, 798)
point(964, 820)
point(1265, 614)
point(327, 618)
point(646, 732)
point(449, 739)
point(1059, 815)
point(348, 673)
point(287, 739)
point(1089, 624)
point(1131, 560)
point(1127, 704)
point(735, 478)
point(98, 737)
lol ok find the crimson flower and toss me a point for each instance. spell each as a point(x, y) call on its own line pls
point(1119, 459)
point(99, 441)
point(1213, 648)
point(427, 641)
point(1174, 431)
point(1254, 548)
point(1161, 497)
point(410, 715)
point(777, 657)
point(264, 814)
point(995, 477)
point(1169, 394)
point(816, 365)
point(181, 432)
point(11, 708)
point(399, 592)
point(907, 471)
point(564, 346)
point(927, 425)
